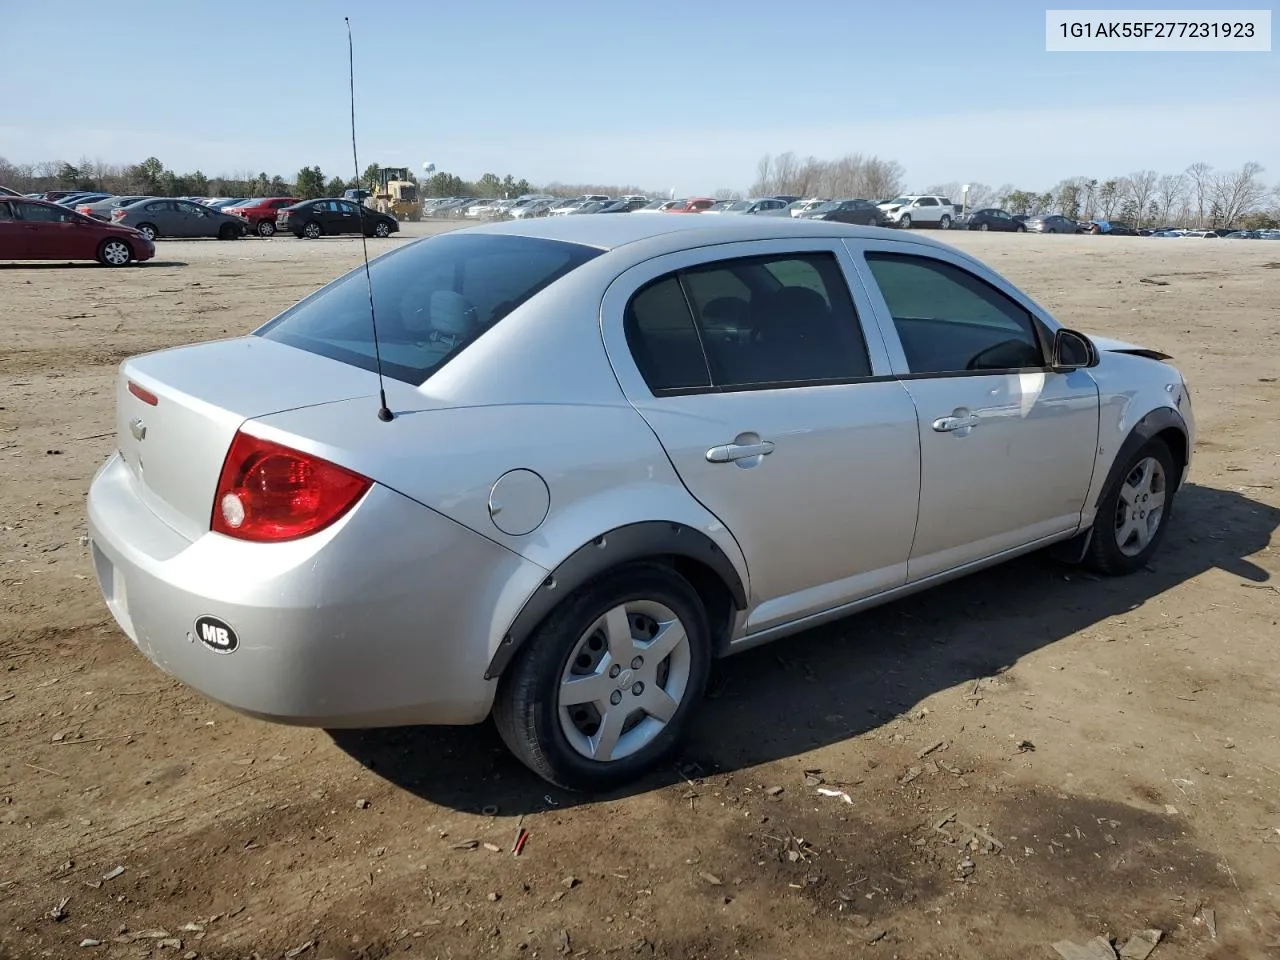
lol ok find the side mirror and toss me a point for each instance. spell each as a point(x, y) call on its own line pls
point(1072, 351)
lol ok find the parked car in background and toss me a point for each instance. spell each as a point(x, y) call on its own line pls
point(760, 207)
point(1103, 226)
point(332, 216)
point(658, 206)
point(798, 208)
point(862, 212)
point(290, 556)
point(260, 214)
point(84, 198)
point(41, 230)
point(532, 209)
point(178, 219)
point(619, 206)
point(227, 202)
point(1051, 223)
point(919, 211)
point(993, 218)
point(695, 205)
point(102, 209)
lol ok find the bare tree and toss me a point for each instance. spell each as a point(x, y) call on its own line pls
point(727, 193)
point(882, 179)
point(1142, 187)
point(1171, 190)
point(1237, 192)
point(1198, 174)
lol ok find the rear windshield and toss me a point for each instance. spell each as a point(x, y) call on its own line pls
point(432, 298)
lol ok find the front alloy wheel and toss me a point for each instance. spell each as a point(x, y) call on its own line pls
point(1134, 512)
point(603, 689)
point(381, 229)
point(115, 253)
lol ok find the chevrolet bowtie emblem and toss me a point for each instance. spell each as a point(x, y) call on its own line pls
point(138, 429)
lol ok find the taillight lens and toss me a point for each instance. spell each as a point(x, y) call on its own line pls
point(269, 493)
point(117, 214)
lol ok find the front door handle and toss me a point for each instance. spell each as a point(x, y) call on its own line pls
point(729, 452)
point(948, 424)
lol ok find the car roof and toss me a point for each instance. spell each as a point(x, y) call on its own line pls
point(608, 233)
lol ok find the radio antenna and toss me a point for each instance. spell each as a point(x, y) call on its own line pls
point(384, 412)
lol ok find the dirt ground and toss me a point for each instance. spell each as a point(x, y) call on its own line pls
point(1032, 754)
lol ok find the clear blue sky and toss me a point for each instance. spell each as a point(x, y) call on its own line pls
point(686, 95)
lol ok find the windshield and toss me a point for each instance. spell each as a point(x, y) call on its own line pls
point(739, 205)
point(433, 299)
point(824, 207)
point(900, 202)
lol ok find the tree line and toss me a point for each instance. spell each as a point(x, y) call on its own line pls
point(1199, 196)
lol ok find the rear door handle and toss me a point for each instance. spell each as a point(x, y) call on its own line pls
point(729, 452)
point(948, 424)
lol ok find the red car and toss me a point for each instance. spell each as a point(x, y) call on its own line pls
point(261, 213)
point(696, 205)
point(39, 230)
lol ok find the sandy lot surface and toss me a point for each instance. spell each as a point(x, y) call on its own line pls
point(1032, 754)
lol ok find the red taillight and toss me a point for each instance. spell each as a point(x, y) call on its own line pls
point(268, 493)
point(117, 213)
point(143, 394)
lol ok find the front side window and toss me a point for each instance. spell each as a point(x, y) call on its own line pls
point(40, 213)
point(432, 300)
point(785, 320)
point(949, 321)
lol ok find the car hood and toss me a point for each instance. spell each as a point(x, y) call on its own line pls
point(1119, 346)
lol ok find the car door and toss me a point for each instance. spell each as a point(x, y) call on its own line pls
point(1006, 444)
point(347, 218)
point(927, 210)
point(48, 231)
point(749, 363)
point(197, 220)
point(13, 235)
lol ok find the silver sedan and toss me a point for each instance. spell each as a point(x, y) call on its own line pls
point(587, 455)
point(167, 217)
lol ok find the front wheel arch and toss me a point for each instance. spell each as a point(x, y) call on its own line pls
point(1164, 424)
point(688, 551)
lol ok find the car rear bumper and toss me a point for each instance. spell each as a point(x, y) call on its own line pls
point(388, 617)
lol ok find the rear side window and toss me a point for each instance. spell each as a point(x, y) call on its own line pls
point(433, 298)
point(749, 323)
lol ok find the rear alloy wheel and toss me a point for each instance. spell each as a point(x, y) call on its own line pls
point(148, 230)
point(266, 228)
point(312, 230)
point(983, 226)
point(381, 229)
point(114, 253)
point(905, 222)
point(228, 231)
point(1132, 515)
point(945, 222)
point(603, 690)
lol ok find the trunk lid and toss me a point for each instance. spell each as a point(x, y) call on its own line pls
point(174, 447)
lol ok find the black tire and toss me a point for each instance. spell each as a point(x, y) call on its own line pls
point(266, 228)
point(905, 221)
point(115, 252)
point(945, 222)
point(526, 710)
point(984, 226)
point(382, 229)
point(312, 230)
point(148, 230)
point(1020, 229)
point(1104, 554)
point(228, 231)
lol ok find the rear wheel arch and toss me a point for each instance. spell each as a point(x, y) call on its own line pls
point(686, 550)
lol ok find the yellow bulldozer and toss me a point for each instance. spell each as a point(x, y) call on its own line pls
point(396, 194)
